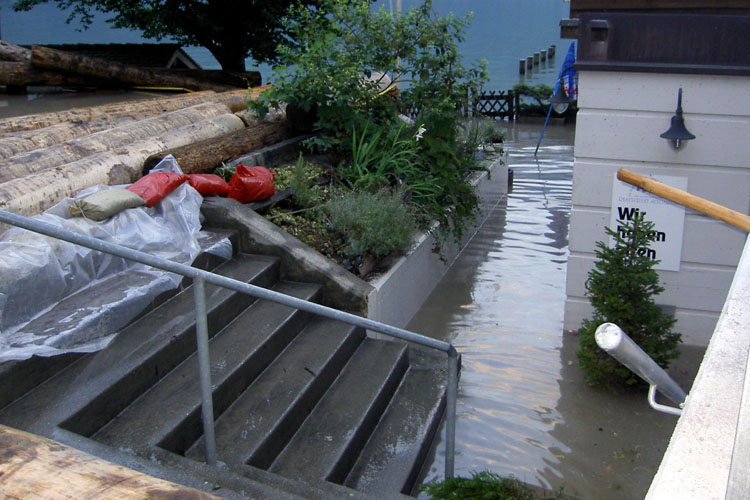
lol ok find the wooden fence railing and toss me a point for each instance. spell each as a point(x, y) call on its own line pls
point(495, 104)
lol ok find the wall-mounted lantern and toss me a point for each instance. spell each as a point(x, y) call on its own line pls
point(677, 132)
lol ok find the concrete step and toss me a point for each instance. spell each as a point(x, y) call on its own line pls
point(261, 422)
point(112, 298)
point(95, 388)
point(327, 444)
point(392, 459)
point(168, 415)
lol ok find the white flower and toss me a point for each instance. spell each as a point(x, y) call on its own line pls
point(420, 133)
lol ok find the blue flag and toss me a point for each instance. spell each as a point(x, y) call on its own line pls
point(570, 75)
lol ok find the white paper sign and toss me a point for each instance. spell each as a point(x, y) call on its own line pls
point(629, 201)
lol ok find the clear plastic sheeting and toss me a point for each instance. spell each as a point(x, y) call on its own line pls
point(57, 297)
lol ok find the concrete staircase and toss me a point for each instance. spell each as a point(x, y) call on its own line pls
point(305, 407)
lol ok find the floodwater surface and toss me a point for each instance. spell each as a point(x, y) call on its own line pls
point(523, 406)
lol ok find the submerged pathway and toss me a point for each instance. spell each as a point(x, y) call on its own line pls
point(523, 407)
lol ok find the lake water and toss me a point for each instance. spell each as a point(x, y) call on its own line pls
point(503, 32)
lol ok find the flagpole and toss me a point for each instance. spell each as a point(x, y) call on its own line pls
point(546, 120)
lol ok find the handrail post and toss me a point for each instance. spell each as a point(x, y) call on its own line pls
point(204, 367)
point(450, 413)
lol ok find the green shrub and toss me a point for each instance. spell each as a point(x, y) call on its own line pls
point(305, 194)
point(621, 287)
point(336, 50)
point(374, 224)
point(483, 485)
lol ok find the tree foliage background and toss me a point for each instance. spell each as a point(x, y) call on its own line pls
point(230, 29)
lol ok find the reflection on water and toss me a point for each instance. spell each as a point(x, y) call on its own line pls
point(523, 408)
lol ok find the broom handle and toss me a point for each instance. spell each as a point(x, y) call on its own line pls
point(686, 199)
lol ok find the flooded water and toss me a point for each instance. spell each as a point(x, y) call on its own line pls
point(523, 407)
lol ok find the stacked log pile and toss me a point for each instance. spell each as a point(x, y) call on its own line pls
point(21, 67)
point(47, 157)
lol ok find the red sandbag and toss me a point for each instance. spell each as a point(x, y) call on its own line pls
point(155, 186)
point(250, 184)
point(209, 184)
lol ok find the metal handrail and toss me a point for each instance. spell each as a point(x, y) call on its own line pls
point(617, 344)
point(200, 277)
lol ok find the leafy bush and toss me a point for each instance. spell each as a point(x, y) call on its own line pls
point(332, 69)
point(482, 485)
point(375, 224)
point(621, 287)
point(381, 157)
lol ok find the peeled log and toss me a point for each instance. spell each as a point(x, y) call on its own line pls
point(21, 74)
point(15, 143)
point(75, 149)
point(235, 100)
point(10, 52)
point(65, 62)
point(204, 156)
point(35, 193)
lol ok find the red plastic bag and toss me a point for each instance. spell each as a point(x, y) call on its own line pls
point(209, 184)
point(155, 186)
point(251, 183)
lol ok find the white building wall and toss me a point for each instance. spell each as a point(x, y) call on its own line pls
point(620, 118)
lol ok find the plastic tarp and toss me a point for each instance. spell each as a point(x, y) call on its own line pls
point(57, 297)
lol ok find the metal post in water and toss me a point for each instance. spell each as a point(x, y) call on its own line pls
point(612, 339)
point(450, 413)
point(204, 367)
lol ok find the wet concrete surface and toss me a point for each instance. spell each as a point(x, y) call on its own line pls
point(523, 406)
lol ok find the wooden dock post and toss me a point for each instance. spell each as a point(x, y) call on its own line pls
point(522, 67)
point(551, 51)
point(529, 62)
point(536, 58)
point(544, 55)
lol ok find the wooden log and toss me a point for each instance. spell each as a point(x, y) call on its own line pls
point(205, 156)
point(22, 74)
point(235, 100)
point(230, 78)
point(75, 149)
point(15, 143)
point(66, 62)
point(37, 467)
point(10, 52)
point(686, 199)
point(35, 193)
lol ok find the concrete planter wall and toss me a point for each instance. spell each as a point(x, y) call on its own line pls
point(399, 293)
point(393, 297)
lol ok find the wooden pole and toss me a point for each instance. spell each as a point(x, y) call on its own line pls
point(204, 156)
point(66, 62)
point(686, 199)
point(236, 100)
point(10, 52)
point(37, 160)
